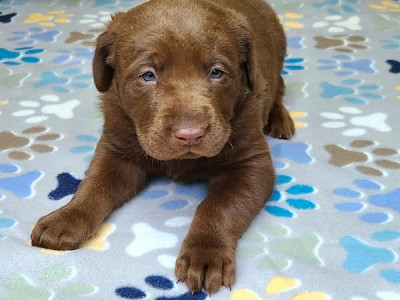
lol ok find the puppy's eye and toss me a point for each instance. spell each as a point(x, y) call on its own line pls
point(149, 76)
point(216, 74)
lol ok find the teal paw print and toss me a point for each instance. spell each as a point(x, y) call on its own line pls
point(6, 223)
point(289, 198)
point(88, 146)
point(20, 55)
point(353, 91)
point(57, 277)
point(282, 248)
point(160, 284)
point(292, 64)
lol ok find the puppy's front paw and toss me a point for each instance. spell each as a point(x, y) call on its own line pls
point(280, 124)
point(64, 229)
point(206, 264)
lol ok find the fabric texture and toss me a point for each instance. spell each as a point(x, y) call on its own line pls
point(331, 228)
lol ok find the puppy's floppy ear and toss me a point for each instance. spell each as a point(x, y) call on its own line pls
point(248, 55)
point(102, 69)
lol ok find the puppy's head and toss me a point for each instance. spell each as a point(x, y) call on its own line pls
point(177, 69)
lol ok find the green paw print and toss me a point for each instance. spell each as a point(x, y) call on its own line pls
point(20, 286)
point(283, 250)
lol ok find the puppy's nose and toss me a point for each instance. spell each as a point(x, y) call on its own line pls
point(189, 136)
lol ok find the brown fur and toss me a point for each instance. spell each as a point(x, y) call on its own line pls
point(181, 41)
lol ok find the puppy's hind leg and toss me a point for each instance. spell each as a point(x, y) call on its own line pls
point(280, 124)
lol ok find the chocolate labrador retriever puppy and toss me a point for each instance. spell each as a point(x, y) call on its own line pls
point(189, 88)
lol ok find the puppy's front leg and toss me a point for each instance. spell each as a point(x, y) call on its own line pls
point(109, 183)
point(207, 255)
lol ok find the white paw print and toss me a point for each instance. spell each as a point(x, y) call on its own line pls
point(353, 116)
point(336, 24)
point(39, 111)
point(96, 20)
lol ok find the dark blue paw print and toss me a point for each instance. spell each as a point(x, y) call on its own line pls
point(174, 196)
point(21, 186)
point(356, 205)
point(67, 185)
point(161, 284)
point(345, 65)
point(6, 18)
point(20, 55)
point(274, 205)
point(337, 7)
point(394, 66)
point(32, 35)
point(292, 64)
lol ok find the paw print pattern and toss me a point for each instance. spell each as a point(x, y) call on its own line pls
point(11, 79)
point(337, 120)
point(112, 5)
point(285, 152)
point(385, 6)
point(71, 78)
point(397, 88)
point(49, 19)
point(5, 223)
point(289, 20)
point(33, 35)
point(58, 277)
point(283, 248)
point(290, 195)
point(79, 56)
point(336, 24)
point(341, 43)
point(292, 64)
point(161, 285)
point(392, 44)
point(20, 55)
point(38, 111)
point(84, 38)
point(353, 91)
point(363, 153)
point(337, 7)
point(6, 17)
point(20, 185)
point(96, 20)
point(344, 65)
point(33, 137)
point(87, 148)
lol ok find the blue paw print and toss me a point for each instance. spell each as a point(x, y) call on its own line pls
point(347, 6)
point(161, 284)
point(20, 55)
point(292, 64)
point(296, 152)
point(73, 58)
point(294, 190)
point(74, 77)
point(112, 4)
point(88, 148)
point(66, 185)
point(352, 90)
point(33, 35)
point(295, 42)
point(8, 4)
point(21, 186)
point(174, 196)
point(355, 202)
point(344, 65)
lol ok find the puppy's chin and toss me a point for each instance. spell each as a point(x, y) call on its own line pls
point(183, 152)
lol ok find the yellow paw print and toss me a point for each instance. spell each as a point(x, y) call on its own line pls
point(385, 6)
point(278, 285)
point(289, 20)
point(97, 243)
point(297, 115)
point(48, 19)
point(397, 88)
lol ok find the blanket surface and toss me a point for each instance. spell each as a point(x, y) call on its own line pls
point(329, 231)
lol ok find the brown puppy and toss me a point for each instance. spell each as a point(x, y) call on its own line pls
point(188, 90)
